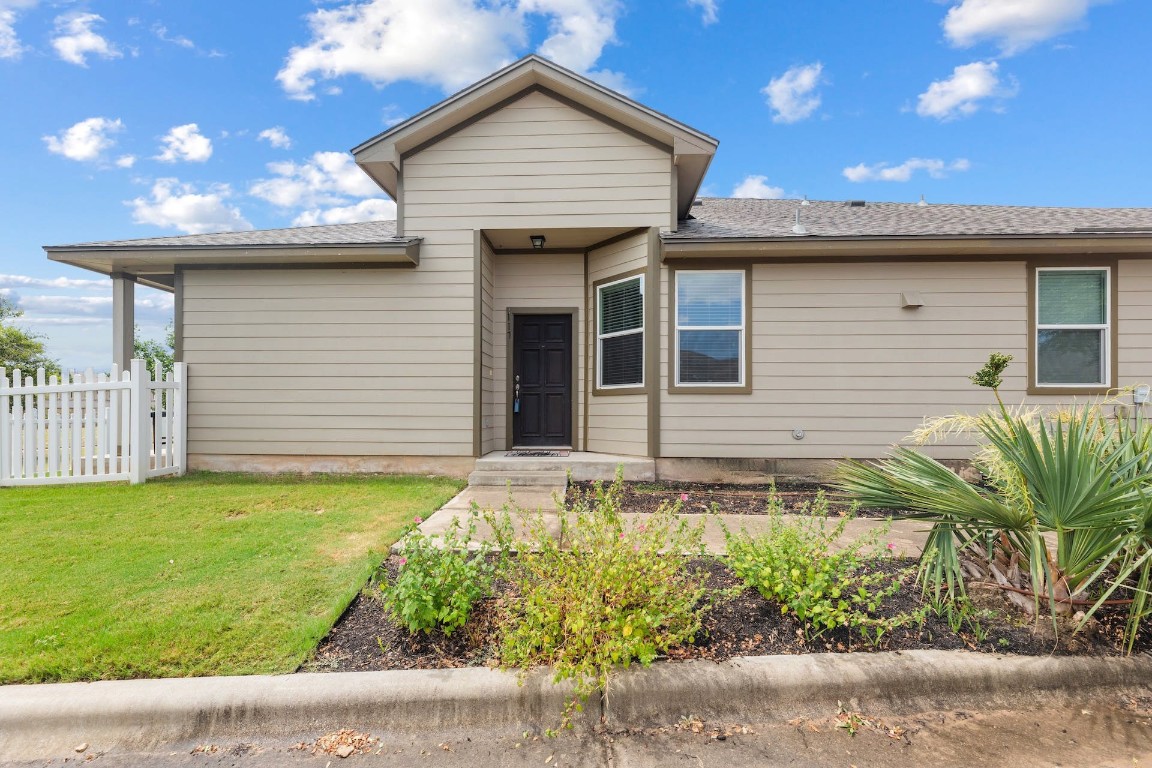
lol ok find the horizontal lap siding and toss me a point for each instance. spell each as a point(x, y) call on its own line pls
point(835, 354)
point(1134, 310)
point(333, 362)
point(616, 423)
point(536, 280)
point(537, 163)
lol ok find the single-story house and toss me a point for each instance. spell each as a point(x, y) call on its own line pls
point(552, 279)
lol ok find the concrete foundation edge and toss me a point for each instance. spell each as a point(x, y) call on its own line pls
point(47, 720)
point(753, 471)
point(447, 466)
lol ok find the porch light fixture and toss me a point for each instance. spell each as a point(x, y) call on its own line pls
point(537, 242)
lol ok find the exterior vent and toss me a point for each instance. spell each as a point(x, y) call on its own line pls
point(855, 203)
point(697, 202)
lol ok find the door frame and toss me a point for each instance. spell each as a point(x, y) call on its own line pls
point(509, 358)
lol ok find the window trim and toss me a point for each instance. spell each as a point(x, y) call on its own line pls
point(1111, 328)
point(744, 386)
point(596, 337)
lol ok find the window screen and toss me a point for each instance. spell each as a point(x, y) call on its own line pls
point(620, 333)
point(710, 327)
point(1072, 327)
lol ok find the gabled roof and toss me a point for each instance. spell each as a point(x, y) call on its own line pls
point(362, 233)
point(692, 150)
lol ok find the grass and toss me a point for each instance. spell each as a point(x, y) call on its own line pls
point(210, 574)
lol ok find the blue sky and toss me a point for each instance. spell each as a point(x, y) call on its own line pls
point(151, 117)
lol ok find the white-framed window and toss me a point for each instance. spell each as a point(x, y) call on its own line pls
point(1073, 326)
point(620, 333)
point(710, 328)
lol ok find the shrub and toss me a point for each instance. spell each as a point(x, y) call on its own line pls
point(794, 565)
point(439, 579)
point(602, 593)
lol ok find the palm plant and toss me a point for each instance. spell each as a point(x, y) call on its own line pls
point(1066, 507)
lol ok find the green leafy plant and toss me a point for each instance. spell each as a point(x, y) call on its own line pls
point(1070, 476)
point(600, 592)
point(803, 564)
point(440, 579)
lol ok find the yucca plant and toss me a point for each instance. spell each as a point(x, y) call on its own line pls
point(1072, 477)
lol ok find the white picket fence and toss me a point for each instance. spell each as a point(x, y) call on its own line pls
point(93, 427)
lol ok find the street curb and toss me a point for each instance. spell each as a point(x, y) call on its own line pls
point(39, 721)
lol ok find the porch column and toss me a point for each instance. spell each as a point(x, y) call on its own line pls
point(123, 318)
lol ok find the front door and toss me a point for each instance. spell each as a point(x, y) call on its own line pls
point(542, 380)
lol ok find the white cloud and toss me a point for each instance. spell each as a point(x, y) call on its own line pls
point(445, 43)
point(375, 209)
point(185, 142)
point(161, 33)
point(328, 178)
point(176, 205)
point(757, 186)
point(85, 141)
point(276, 136)
point(76, 39)
point(937, 169)
point(126, 161)
point(709, 10)
point(10, 47)
point(792, 95)
point(1013, 24)
point(961, 94)
point(25, 281)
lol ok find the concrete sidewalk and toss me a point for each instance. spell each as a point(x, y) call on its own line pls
point(907, 537)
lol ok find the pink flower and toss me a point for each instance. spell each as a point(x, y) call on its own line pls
point(621, 535)
point(418, 519)
point(642, 528)
point(403, 561)
point(635, 547)
point(683, 497)
point(891, 546)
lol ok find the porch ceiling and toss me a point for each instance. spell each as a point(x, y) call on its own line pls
point(516, 240)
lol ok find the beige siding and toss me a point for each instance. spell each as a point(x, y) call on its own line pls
point(537, 163)
point(616, 423)
point(834, 354)
point(533, 281)
point(1134, 310)
point(332, 362)
point(490, 437)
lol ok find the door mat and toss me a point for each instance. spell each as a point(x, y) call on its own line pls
point(537, 454)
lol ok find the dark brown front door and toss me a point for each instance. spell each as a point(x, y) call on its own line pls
point(542, 380)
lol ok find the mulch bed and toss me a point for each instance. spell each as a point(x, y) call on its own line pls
point(729, 499)
point(740, 625)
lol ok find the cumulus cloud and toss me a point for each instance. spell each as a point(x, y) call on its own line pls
point(276, 136)
point(792, 96)
point(961, 94)
point(375, 209)
point(185, 142)
point(25, 281)
point(126, 161)
point(757, 187)
point(10, 46)
point(445, 43)
point(86, 141)
point(937, 169)
point(75, 39)
point(325, 179)
point(176, 205)
point(1014, 25)
point(709, 10)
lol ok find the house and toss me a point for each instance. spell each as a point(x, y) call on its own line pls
point(553, 280)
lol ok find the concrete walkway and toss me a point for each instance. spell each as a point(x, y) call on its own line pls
point(907, 537)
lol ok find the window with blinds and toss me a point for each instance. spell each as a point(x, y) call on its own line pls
point(620, 333)
point(710, 328)
point(1072, 327)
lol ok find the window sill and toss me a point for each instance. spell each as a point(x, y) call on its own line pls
point(711, 389)
point(637, 390)
point(1063, 390)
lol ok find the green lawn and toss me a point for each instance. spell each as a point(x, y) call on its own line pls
point(211, 574)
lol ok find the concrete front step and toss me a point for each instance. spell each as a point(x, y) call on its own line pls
point(584, 466)
point(518, 477)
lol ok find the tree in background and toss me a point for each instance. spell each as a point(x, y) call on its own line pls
point(20, 349)
point(153, 351)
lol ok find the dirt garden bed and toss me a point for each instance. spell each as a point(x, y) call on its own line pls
point(740, 622)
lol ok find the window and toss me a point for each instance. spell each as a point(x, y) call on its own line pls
point(709, 346)
point(620, 333)
point(1073, 330)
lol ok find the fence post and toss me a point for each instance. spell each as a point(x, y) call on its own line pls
point(140, 441)
point(5, 437)
point(180, 418)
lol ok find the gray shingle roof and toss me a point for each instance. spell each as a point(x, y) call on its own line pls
point(364, 233)
point(719, 218)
